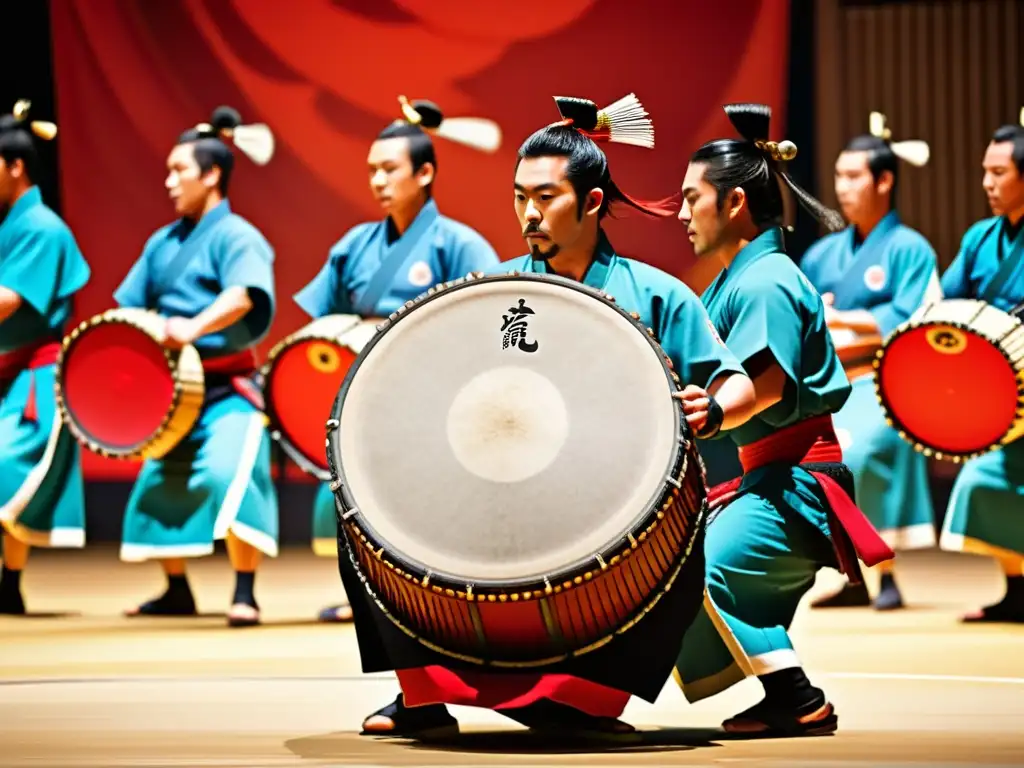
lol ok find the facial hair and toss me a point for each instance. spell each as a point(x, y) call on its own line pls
point(535, 251)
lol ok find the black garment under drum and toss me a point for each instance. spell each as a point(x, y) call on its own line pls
point(639, 661)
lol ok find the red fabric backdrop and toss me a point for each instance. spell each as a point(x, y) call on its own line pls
point(325, 74)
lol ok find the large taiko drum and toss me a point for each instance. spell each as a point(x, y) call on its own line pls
point(514, 481)
point(121, 392)
point(301, 378)
point(951, 379)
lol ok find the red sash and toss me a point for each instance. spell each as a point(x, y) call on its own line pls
point(27, 358)
point(239, 366)
point(813, 441)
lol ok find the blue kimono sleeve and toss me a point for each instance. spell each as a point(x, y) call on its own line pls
point(248, 262)
point(811, 263)
point(474, 254)
point(956, 282)
point(918, 267)
point(134, 289)
point(692, 344)
point(326, 293)
point(31, 266)
point(766, 320)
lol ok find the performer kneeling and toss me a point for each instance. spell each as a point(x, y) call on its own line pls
point(563, 191)
point(790, 513)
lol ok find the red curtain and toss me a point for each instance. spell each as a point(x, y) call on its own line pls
point(325, 75)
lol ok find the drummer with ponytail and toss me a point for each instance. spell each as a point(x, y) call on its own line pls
point(563, 190)
point(790, 513)
point(210, 274)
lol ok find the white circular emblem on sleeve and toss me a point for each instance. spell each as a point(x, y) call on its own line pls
point(874, 277)
point(420, 275)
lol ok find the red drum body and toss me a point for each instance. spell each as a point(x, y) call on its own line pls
point(123, 394)
point(302, 377)
point(515, 483)
point(951, 379)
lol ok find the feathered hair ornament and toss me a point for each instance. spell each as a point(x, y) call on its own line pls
point(476, 132)
point(623, 122)
point(256, 141)
point(913, 151)
point(43, 129)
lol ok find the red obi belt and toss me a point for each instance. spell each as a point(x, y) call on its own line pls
point(238, 364)
point(813, 441)
point(238, 367)
point(27, 358)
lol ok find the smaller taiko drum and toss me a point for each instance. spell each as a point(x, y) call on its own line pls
point(301, 378)
point(950, 379)
point(121, 392)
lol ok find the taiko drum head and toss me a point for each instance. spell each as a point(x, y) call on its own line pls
point(301, 387)
point(950, 389)
point(117, 386)
point(505, 429)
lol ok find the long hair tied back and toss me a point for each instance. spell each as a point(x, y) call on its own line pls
point(256, 141)
point(624, 121)
point(752, 122)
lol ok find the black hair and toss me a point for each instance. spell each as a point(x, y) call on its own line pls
point(421, 148)
point(756, 165)
point(1015, 135)
point(210, 149)
point(16, 143)
point(880, 158)
point(587, 168)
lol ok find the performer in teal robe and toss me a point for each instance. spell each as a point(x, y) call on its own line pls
point(789, 514)
point(378, 266)
point(872, 277)
point(211, 273)
point(563, 190)
point(42, 500)
point(986, 508)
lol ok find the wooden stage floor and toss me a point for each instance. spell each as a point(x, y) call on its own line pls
point(89, 688)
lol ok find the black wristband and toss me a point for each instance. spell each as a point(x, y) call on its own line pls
point(714, 422)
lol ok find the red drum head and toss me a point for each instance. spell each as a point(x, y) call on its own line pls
point(300, 391)
point(949, 389)
point(117, 385)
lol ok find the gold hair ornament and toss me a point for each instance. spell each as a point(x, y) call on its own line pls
point(476, 132)
point(409, 112)
point(914, 151)
point(256, 141)
point(778, 150)
point(42, 128)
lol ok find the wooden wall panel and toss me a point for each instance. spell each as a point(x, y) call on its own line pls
point(949, 72)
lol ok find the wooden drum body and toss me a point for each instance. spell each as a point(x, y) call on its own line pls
point(301, 379)
point(515, 483)
point(123, 394)
point(951, 379)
